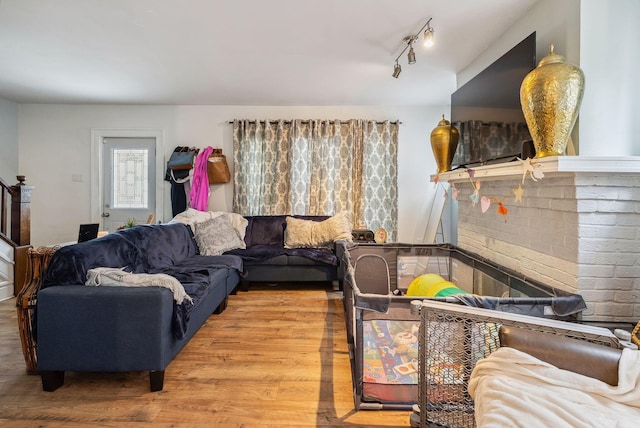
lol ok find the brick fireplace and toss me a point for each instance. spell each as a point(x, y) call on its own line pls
point(577, 228)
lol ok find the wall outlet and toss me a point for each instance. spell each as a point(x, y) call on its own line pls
point(77, 178)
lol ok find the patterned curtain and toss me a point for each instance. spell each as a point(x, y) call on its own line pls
point(317, 167)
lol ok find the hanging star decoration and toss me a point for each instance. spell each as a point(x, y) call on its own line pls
point(518, 193)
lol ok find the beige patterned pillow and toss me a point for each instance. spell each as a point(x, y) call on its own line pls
point(317, 234)
point(216, 235)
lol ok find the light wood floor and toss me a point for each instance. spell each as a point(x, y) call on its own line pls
point(277, 356)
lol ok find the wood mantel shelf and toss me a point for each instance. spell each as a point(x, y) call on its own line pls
point(552, 165)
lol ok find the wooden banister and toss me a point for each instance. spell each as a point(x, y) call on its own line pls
point(5, 192)
point(19, 236)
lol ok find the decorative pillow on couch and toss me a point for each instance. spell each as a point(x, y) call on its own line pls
point(317, 234)
point(192, 216)
point(217, 235)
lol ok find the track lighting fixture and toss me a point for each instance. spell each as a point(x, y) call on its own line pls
point(397, 70)
point(428, 35)
point(411, 56)
point(428, 38)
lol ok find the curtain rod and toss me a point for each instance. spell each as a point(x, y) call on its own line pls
point(307, 121)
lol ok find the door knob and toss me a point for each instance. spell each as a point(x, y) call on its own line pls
point(105, 214)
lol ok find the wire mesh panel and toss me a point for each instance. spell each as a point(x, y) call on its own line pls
point(382, 328)
point(452, 338)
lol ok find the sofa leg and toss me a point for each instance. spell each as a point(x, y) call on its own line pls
point(335, 284)
point(51, 380)
point(222, 306)
point(156, 380)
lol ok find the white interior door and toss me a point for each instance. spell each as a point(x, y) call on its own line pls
point(129, 181)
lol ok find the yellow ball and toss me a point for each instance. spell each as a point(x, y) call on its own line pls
point(424, 285)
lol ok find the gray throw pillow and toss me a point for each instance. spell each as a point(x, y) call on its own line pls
point(217, 235)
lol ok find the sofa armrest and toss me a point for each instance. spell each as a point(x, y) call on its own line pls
point(82, 328)
point(579, 356)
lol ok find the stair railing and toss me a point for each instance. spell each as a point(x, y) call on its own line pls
point(15, 204)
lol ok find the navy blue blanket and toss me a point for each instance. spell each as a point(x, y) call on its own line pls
point(168, 249)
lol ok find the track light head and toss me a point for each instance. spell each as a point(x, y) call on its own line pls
point(396, 70)
point(428, 36)
point(411, 56)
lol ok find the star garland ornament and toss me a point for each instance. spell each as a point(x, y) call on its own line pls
point(518, 193)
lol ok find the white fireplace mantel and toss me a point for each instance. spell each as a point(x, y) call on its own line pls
point(576, 229)
point(551, 165)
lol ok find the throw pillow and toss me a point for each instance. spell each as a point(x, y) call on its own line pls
point(317, 234)
point(192, 217)
point(239, 223)
point(216, 235)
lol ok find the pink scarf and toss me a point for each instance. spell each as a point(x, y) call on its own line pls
point(199, 195)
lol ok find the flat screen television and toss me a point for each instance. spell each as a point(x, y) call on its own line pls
point(487, 113)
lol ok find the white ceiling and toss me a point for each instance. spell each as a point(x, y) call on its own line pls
point(240, 52)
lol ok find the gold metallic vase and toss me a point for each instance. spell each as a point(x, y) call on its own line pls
point(550, 96)
point(444, 142)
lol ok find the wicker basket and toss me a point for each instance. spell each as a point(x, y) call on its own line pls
point(39, 259)
point(635, 334)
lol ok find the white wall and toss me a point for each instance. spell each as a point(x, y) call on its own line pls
point(555, 22)
point(610, 59)
point(9, 141)
point(55, 143)
point(600, 36)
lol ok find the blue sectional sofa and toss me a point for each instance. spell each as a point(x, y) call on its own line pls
point(266, 259)
point(274, 252)
point(123, 328)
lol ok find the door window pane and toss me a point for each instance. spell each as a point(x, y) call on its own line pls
point(130, 184)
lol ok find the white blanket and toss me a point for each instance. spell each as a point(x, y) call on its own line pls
point(117, 276)
point(513, 389)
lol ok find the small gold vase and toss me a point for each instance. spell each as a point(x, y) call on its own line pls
point(444, 142)
point(550, 96)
